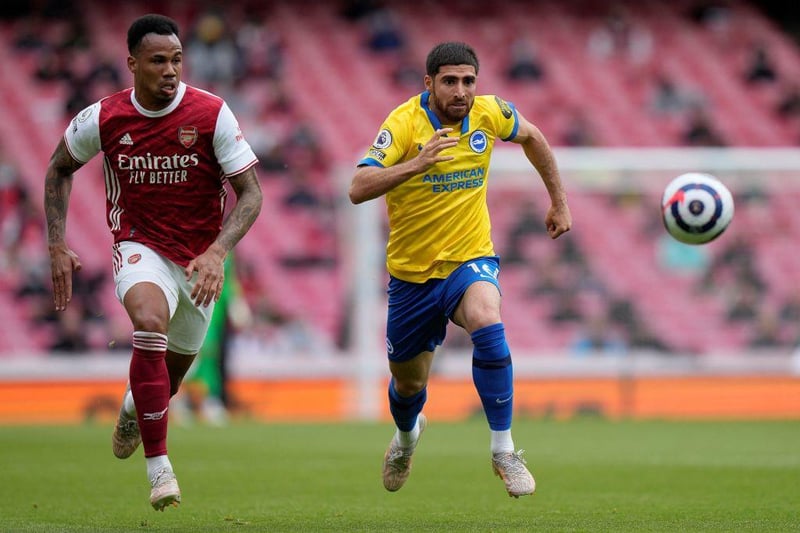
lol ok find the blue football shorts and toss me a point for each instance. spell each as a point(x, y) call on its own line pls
point(419, 312)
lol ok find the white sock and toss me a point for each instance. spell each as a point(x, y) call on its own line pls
point(156, 465)
point(406, 439)
point(502, 441)
point(127, 404)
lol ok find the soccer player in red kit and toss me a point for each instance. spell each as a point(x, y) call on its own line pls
point(169, 149)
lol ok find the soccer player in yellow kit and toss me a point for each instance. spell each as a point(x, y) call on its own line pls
point(430, 160)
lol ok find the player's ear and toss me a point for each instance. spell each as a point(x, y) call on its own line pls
point(428, 82)
point(132, 64)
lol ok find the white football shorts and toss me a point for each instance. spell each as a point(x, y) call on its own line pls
point(135, 263)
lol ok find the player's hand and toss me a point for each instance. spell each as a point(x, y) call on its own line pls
point(558, 220)
point(430, 154)
point(210, 275)
point(63, 262)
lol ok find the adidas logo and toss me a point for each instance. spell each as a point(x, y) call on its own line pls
point(126, 139)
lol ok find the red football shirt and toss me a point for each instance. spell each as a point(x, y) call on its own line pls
point(164, 171)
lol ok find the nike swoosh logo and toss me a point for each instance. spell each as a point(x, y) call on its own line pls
point(501, 401)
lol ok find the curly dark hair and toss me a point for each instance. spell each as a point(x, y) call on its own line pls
point(151, 23)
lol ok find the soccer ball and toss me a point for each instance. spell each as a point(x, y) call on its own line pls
point(696, 208)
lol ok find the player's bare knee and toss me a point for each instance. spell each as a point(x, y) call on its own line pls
point(482, 322)
point(152, 322)
point(478, 315)
point(409, 386)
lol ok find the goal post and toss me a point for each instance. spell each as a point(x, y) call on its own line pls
point(608, 168)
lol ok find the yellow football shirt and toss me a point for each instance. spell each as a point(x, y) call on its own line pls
point(439, 219)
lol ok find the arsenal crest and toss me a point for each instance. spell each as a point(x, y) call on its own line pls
point(187, 135)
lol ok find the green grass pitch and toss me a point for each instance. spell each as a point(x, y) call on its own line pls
point(592, 475)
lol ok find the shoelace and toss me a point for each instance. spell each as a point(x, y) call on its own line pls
point(129, 428)
point(162, 477)
point(399, 457)
point(514, 463)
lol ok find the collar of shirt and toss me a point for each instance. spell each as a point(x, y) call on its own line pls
point(437, 124)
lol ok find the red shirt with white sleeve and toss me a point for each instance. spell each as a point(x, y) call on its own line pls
point(165, 171)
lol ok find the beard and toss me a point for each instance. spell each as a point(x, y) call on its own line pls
point(448, 114)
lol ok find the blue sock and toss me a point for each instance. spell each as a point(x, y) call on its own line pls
point(405, 409)
point(493, 375)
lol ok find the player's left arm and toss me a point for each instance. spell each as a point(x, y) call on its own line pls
point(248, 205)
point(558, 219)
point(210, 264)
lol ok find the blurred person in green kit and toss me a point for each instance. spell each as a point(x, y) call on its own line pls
point(207, 396)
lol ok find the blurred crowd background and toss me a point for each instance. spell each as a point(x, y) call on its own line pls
point(311, 83)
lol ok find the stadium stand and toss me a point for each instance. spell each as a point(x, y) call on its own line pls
point(344, 89)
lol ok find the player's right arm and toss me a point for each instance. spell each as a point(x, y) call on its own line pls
point(57, 188)
point(210, 265)
point(370, 182)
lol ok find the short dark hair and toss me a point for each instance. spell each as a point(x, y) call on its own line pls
point(450, 53)
point(151, 23)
